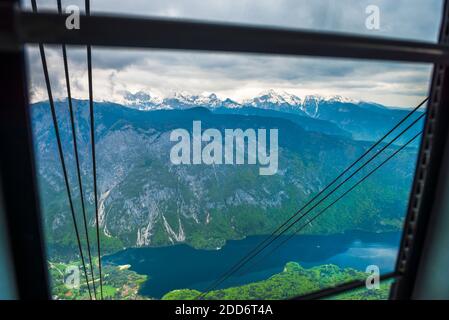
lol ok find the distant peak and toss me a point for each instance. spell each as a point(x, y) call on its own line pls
point(184, 96)
point(270, 98)
point(275, 97)
point(141, 96)
point(141, 100)
point(338, 98)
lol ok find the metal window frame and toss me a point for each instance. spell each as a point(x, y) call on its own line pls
point(17, 171)
point(427, 181)
point(19, 27)
point(157, 33)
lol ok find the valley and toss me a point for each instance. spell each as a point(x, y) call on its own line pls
point(147, 202)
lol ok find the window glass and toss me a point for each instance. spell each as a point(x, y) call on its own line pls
point(201, 156)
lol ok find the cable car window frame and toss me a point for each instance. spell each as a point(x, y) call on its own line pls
point(23, 27)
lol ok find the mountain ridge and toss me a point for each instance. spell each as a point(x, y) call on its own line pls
point(359, 119)
point(145, 200)
point(147, 101)
point(363, 120)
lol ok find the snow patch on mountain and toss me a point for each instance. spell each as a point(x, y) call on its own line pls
point(147, 100)
point(143, 101)
point(268, 99)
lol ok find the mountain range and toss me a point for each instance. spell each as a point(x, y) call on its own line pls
point(145, 200)
point(269, 99)
point(363, 120)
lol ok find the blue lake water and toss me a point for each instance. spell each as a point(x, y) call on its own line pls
point(181, 266)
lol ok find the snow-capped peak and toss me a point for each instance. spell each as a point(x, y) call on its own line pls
point(205, 100)
point(208, 100)
point(231, 104)
point(184, 97)
point(291, 98)
point(142, 100)
point(338, 98)
point(271, 96)
point(268, 99)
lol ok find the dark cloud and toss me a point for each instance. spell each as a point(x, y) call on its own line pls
point(116, 71)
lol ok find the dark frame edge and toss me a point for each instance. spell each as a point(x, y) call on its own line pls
point(18, 175)
point(426, 177)
point(178, 34)
point(21, 144)
point(342, 288)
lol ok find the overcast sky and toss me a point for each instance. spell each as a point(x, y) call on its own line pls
point(240, 76)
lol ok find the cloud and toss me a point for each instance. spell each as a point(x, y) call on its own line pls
point(240, 76)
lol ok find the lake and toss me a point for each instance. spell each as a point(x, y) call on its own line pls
point(181, 266)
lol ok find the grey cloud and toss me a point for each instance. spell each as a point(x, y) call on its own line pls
point(117, 70)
